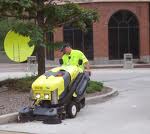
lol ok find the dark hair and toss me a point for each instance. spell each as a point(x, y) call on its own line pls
point(67, 44)
point(64, 46)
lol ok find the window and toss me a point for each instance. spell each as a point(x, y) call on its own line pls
point(80, 40)
point(1, 42)
point(123, 30)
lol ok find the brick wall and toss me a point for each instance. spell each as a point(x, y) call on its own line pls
point(100, 29)
point(58, 36)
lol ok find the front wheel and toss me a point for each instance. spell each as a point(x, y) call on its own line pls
point(72, 110)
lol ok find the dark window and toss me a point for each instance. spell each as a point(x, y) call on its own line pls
point(50, 49)
point(123, 35)
point(80, 40)
point(1, 42)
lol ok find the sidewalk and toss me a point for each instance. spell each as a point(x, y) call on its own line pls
point(13, 71)
point(9, 67)
point(108, 66)
point(126, 114)
point(7, 75)
point(20, 70)
point(22, 67)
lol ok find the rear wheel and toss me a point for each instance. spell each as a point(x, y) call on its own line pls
point(72, 110)
point(24, 118)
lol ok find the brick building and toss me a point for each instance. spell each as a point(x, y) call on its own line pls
point(123, 28)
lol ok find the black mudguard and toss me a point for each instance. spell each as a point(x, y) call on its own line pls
point(81, 88)
point(66, 99)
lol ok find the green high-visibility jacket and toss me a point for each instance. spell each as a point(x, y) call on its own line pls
point(74, 57)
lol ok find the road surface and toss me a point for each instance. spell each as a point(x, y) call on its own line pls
point(128, 113)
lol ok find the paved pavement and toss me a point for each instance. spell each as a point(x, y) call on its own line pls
point(129, 113)
point(13, 71)
point(13, 67)
point(6, 75)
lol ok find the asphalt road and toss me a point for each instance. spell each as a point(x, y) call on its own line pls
point(128, 113)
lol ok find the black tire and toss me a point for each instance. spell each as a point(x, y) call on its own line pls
point(19, 118)
point(25, 115)
point(23, 119)
point(72, 110)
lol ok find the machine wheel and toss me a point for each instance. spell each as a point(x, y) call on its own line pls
point(25, 114)
point(23, 119)
point(19, 118)
point(72, 110)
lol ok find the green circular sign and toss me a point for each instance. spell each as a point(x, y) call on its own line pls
point(16, 47)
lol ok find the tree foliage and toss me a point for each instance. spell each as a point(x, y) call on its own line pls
point(35, 18)
point(55, 15)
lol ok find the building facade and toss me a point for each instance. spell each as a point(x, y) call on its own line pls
point(123, 28)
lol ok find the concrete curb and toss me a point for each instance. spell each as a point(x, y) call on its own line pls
point(9, 118)
point(109, 66)
point(102, 98)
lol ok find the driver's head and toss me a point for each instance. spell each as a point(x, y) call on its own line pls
point(66, 49)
